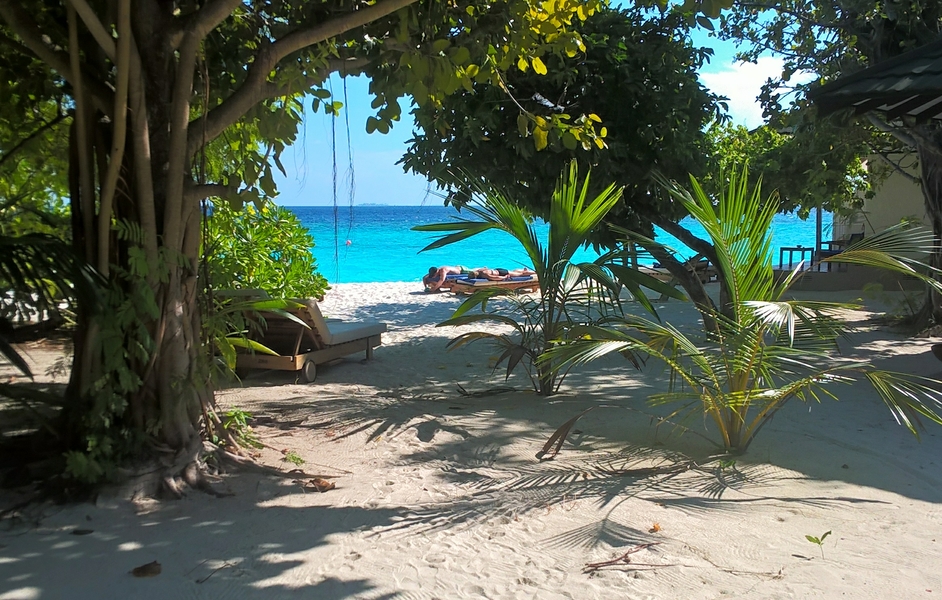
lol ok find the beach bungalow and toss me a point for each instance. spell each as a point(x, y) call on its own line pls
point(898, 197)
point(907, 85)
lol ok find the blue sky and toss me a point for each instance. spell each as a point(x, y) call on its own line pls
point(378, 179)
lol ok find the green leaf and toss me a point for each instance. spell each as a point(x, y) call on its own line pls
point(569, 141)
point(460, 56)
point(705, 23)
point(523, 125)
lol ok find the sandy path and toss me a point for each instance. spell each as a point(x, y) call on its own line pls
point(440, 496)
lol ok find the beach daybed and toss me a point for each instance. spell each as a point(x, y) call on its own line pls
point(302, 348)
point(528, 283)
point(450, 281)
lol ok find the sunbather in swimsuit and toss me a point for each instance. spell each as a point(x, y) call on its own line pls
point(500, 274)
point(437, 275)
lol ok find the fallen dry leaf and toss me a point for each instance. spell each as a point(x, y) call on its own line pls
point(151, 569)
point(322, 485)
point(655, 528)
point(316, 484)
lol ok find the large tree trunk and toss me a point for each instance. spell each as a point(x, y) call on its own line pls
point(142, 115)
point(138, 367)
point(691, 283)
point(177, 377)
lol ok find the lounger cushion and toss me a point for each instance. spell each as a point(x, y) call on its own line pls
point(490, 283)
point(338, 332)
point(347, 332)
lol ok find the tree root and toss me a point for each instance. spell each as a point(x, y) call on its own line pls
point(186, 469)
point(247, 464)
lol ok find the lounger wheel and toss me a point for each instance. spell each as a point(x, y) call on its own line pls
point(309, 371)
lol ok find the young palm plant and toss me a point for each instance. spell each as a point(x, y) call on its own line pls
point(767, 349)
point(569, 293)
point(38, 272)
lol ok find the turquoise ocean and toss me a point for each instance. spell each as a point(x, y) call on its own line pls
point(374, 244)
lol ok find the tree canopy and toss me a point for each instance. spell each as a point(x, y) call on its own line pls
point(637, 79)
point(809, 166)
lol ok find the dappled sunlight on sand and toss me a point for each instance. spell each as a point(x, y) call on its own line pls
point(439, 492)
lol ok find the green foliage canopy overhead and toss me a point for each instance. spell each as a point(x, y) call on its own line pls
point(637, 78)
point(809, 167)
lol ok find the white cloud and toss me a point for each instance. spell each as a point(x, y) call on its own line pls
point(742, 83)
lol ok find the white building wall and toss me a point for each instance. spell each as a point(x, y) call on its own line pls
point(897, 198)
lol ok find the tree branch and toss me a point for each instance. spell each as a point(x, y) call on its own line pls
point(118, 135)
point(204, 21)
point(179, 159)
point(195, 193)
point(778, 8)
point(27, 139)
point(143, 167)
point(690, 240)
point(94, 25)
point(896, 132)
point(32, 38)
point(86, 196)
point(255, 89)
point(896, 167)
point(27, 30)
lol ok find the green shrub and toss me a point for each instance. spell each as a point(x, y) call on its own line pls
point(265, 248)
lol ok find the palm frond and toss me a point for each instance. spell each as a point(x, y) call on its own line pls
point(474, 336)
point(898, 249)
point(909, 397)
point(463, 230)
point(44, 268)
point(10, 353)
point(470, 319)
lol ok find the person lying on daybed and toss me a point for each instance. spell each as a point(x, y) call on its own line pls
point(500, 274)
point(437, 275)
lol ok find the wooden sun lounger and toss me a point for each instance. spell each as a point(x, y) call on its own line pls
point(450, 281)
point(520, 284)
point(659, 273)
point(302, 348)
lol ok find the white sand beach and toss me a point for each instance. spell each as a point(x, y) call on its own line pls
point(440, 495)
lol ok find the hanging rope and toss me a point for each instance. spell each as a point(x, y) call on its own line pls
point(333, 152)
point(351, 180)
